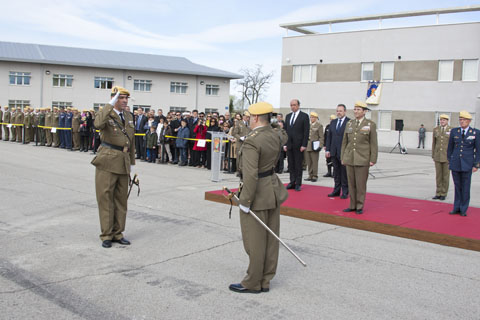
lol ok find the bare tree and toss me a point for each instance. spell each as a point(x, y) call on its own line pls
point(254, 83)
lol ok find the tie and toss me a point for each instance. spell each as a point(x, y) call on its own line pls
point(339, 124)
point(358, 123)
point(463, 133)
point(121, 117)
point(293, 120)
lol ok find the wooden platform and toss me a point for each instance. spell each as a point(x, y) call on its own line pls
point(421, 220)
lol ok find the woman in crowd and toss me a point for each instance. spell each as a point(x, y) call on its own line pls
point(168, 142)
point(213, 127)
point(200, 146)
point(181, 143)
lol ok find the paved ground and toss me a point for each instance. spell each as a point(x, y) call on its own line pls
point(185, 251)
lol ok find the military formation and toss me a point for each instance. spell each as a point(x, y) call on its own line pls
point(50, 127)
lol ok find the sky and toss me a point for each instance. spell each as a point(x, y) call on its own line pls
point(228, 35)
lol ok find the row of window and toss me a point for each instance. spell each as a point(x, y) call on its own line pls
point(63, 104)
point(66, 80)
point(308, 73)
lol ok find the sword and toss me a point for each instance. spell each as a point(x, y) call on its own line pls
point(136, 182)
point(232, 195)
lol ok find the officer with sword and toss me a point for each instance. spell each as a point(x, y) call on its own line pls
point(114, 163)
point(261, 192)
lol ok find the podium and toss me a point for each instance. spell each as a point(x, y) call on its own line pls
point(218, 154)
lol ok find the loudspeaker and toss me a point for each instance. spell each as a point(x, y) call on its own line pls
point(398, 124)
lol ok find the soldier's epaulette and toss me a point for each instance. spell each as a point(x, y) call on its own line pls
point(252, 134)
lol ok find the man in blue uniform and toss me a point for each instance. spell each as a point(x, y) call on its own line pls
point(464, 158)
point(61, 124)
point(68, 133)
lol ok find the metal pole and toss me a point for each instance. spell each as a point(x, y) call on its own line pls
point(267, 228)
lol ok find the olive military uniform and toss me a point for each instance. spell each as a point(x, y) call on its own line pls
point(263, 192)
point(113, 161)
point(48, 125)
point(1, 120)
point(13, 128)
point(6, 119)
point(19, 117)
point(239, 130)
point(359, 148)
point(311, 156)
point(441, 136)
point(41, 124)
point(76, 130)
point(27, 124)
point(55, 124)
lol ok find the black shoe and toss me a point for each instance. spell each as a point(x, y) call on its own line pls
point(107, 243)
point(123, 241)
point(298, 188)
point(307, 179)
point(463, 214)
point(359, 211)
point(291, 185)
point(327, 175)
point(237, 287)
point(454, 212)
point(344, 196)
point(349, 210)
point(334, 194)
point(265, 289)
point(436, 197)
point(441, 198)
point(313, 180)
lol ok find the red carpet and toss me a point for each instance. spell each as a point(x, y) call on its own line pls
point(410, 218)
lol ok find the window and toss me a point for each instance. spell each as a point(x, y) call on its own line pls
point(305, 73)
point(445, 70)
point(385, 120)
point(18, 103)
point(470, 70)
point(212, 89)
point(103, 83)
point(61, 104)
point(142, 85)
point(96, 106)
point(437, 117)
point(62, 80)
point(178, 87)
point(367, 71)
point(144, 107)
point(211, 110)
point(20, 78)
point(179, 109)
point(387, 71)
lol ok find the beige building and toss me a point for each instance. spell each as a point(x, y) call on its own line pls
point(46, 76)
point(424, 71)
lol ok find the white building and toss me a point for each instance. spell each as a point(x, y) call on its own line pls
point(424, 70)
point(47, 76)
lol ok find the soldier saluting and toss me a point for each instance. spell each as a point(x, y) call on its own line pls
point(262, 191)
point(113, 163)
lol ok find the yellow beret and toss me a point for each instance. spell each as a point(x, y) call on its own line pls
point(91, 110)
point(313, 114)
point(333, 117)
point(465, 114)
point(444, 116)
point(260, 108)
point(246, 113)
point(6, 107)
point(121, 90)
point(361, 104)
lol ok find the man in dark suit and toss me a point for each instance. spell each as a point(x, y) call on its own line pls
point(192, 122)
point(140, 128)
point(333, 151)
point(463, 154)
point(297, 125)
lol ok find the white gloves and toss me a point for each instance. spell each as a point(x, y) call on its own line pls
point(114, 99)
point(244, 209)
point(132, 170)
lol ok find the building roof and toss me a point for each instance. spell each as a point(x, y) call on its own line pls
point(38, 53)
point(299, 26)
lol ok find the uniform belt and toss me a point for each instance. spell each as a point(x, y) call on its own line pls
point(261, 174)
point(111, 146)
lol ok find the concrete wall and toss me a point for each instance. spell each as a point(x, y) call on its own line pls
point(83, 94)
point(415, 95)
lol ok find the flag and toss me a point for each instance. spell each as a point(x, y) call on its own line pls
point(373, 92)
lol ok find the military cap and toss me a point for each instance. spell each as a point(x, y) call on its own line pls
point(246, 113)
point(260, 108)
point(121, 90)
point(313, 114)
point(361, 104)
point(465, 114)
point(444, 116)
point(333, 117)
point(6, 107)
